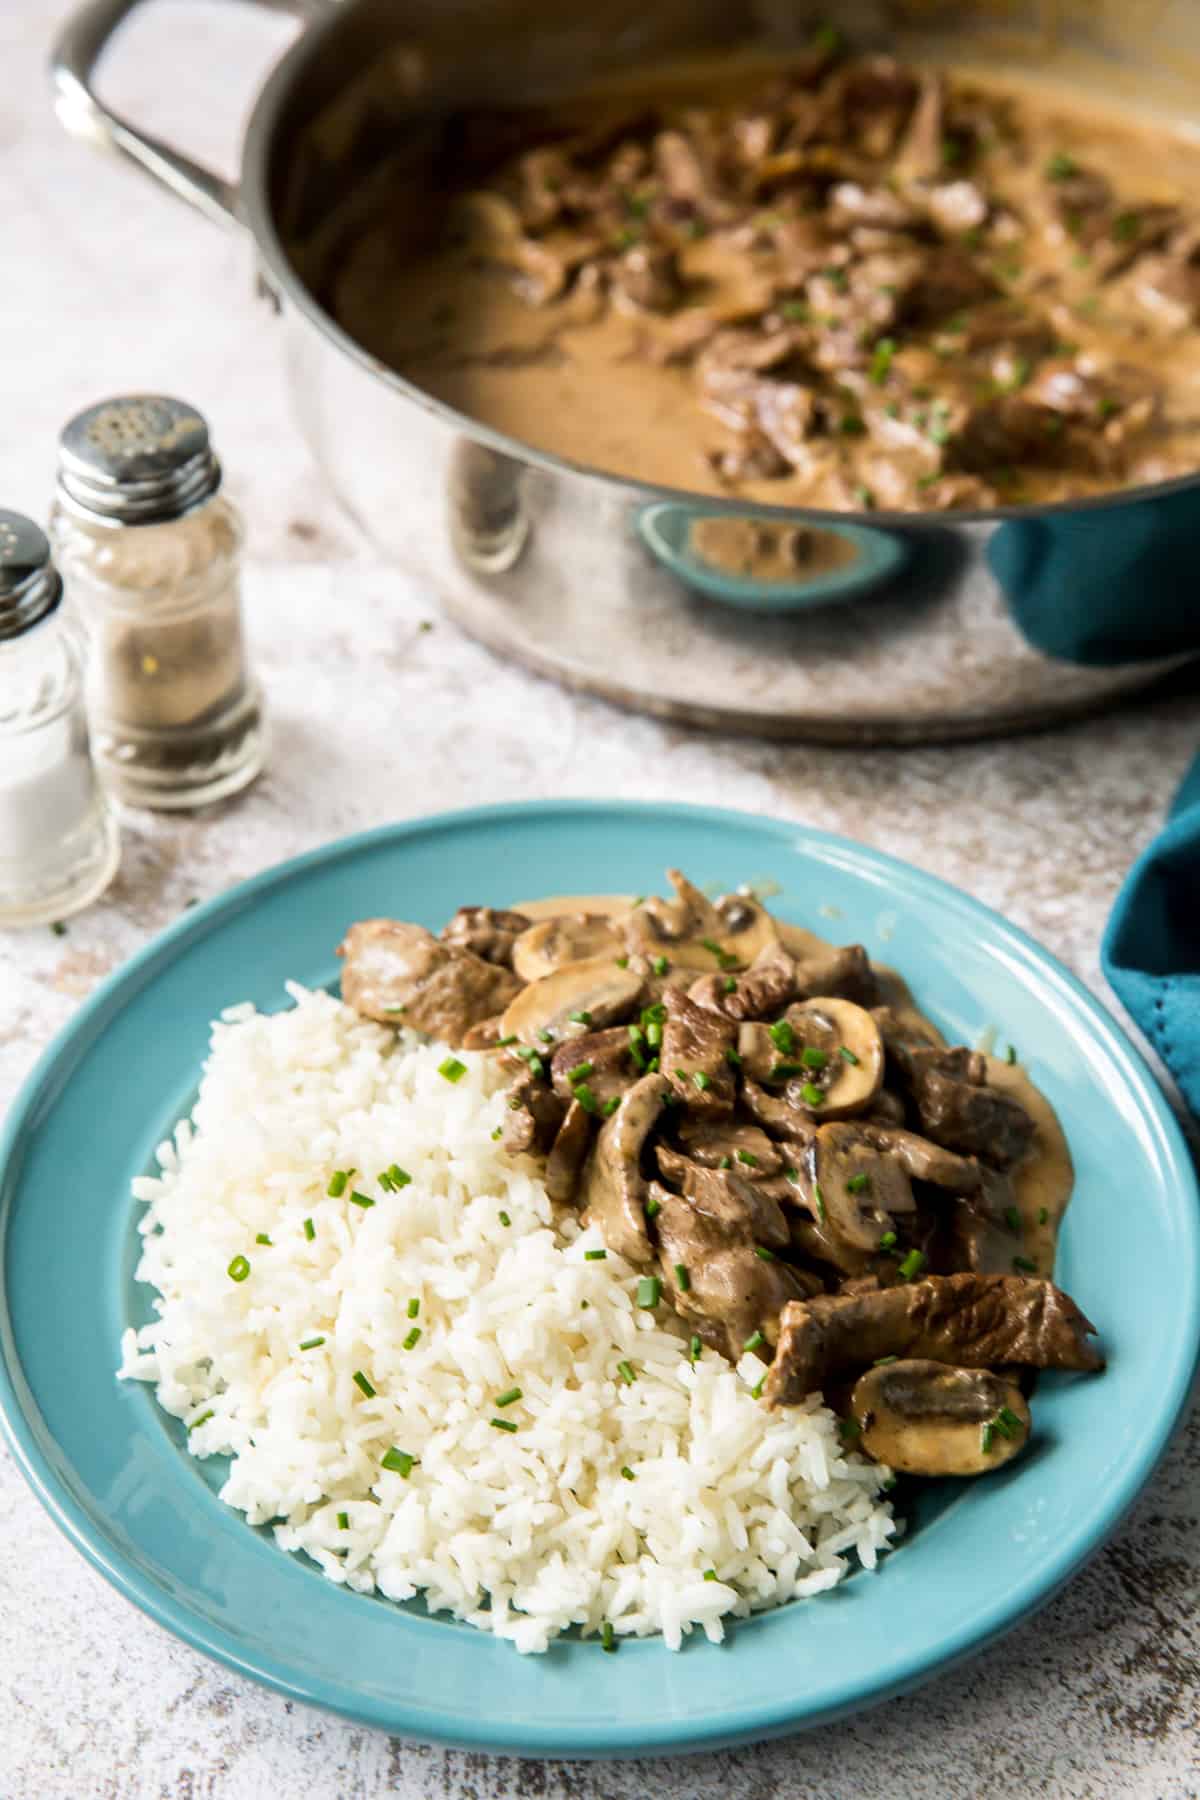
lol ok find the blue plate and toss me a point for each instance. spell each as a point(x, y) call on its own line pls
point(665, 526)
point(115, 1475)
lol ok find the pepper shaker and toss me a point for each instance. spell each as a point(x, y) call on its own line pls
point(150, 550)
point(59, 844)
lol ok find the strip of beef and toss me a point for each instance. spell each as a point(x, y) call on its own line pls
point(486, 931)
point(723, 1142)
point(694, 1056)
point(533, 1115)
point(712, 1232)
point(613, 1190)
point(612, 1071)
point(972, 1321)
point(402, 975)
point(794, 1124)
point(977, 1121)
point(759, 992)
point(845, 973)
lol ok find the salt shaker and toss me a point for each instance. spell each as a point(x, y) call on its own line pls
point(150, 550)
point(59, 844)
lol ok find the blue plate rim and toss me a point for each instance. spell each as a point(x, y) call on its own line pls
point(1019, 1602)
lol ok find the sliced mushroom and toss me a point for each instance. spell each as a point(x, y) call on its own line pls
point(835, 1047)
point(571, 1000)
point(568, 1154)
point(923, 1161)
point(722, 1143)
point(747, 927)
point(573, 937)
point(690, 932)
point(924, 1418)
point(777, 1116)
point(613, 1190)
point(488, 931)
point(857, 1188)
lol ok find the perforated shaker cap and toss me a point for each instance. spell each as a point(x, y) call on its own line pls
point(30, 585)
point(140, 459)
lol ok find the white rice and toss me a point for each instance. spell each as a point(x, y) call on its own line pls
point(523, 1533)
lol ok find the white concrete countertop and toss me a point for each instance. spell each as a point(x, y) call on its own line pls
point(108, 285)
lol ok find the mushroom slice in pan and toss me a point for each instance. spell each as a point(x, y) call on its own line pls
point(857, 1188)
point(928, 1418)
point(576, 998)
point(573, 937)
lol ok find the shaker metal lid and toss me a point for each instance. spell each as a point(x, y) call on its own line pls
point(30, 585)
point(139, 459)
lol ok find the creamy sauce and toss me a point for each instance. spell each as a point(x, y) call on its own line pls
point(1041, 1185)
point(573, 377)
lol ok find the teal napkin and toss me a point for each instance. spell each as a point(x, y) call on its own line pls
point(1151, 949)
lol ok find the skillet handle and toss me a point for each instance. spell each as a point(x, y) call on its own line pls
point(73, 60)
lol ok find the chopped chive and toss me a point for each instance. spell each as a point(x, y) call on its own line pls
point(660, 964)
point(710, 1574)
point(452, 1069)
point(683, 1280)
point(729, 985)
point(744, 1156)
point(792, 1174)
point(337, 1184)
point(754, 1341)
point(608, 1639)
point(385, 1181)
point(1010, 1055)
point(849, 1428)
point(59, 928)
point(394, 1012)
point(887, 1241)
point(881, 1362)
point(679, 1074)
point(812, 1096)
point(547, 1037)
point(361, 1382)
point(782, 1036)
point(1043, 1215)
point(1060, 166)
point(400, 1177)
point(504, 1218)
point(848, 1054)
point(503, 1424)
point(357, 1199)
point(622, 962)
point(1025, 1263)
point(581, 1018)
point(732, 1058)
point(702, 1081)
point(312, 1343)
point(763, 1254)
point(584, 1095)
point(310, 1230)
point(627, 1473)
point(580, 1072)
point(262, 1238)
point(654, 1033)
point(594, 1255)
point(812, 1058)
point(912, 1265)
point(497, 1134)
point(858, 1184)
point(756, 1390)
point(413, 1338)
point(503, 1042)
point(987, 1438)
point(1126, 226)
point(238, 1269)
point(640, 900)
point(343, 1520)
point(509, 1397)
point(610, 1106)
point(726, 1162)
point(653, 1207)
point(636, 1034)
point(1012, 1219)
point(784, 1071)
point(202, 1420)
point(413, 1307)
point(627, 1373)
point(1007, 1422)
point(694, 1350)
point(649, 1292)
point(819, 1202)
point(654, 1015)
point(400, 1462)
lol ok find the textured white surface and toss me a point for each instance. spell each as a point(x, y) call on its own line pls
point(109, 285)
